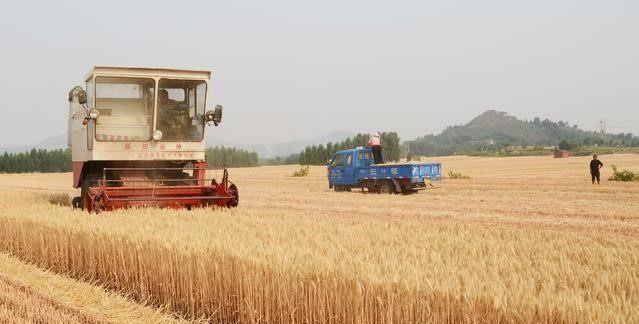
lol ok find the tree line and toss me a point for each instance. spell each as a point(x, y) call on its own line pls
point(320, 154)
point(36, 161)
point(59, 160)
point(221, 156)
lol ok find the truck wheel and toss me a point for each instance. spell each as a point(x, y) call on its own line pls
point(385, 187)
point(407, 190)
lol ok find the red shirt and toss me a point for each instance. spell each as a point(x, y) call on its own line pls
point(374, 140)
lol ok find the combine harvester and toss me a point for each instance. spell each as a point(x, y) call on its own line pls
point(355, 168)
point(137, 139)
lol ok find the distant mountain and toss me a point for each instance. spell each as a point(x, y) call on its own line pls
point(496, 129)
point(56, 142)
point(263, 150)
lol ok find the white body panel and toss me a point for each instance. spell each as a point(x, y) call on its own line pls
point(86, 147)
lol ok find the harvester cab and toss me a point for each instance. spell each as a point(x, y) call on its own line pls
point(137, 139)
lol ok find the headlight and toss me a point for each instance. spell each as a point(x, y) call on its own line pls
point(157, 135)
point(94, 113)
point(208, 116)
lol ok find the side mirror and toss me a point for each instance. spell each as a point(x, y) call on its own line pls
point(79, 93)
point(214, 116)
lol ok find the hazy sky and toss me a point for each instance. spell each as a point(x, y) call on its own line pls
point(296, 69)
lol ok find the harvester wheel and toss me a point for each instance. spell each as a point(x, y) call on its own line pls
point(236, 196)
point(76, 202)
point(89, 181)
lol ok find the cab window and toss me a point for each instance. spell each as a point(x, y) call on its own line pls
point(364, 155)
point(126, 108)
point(181, 106)
point(349, 160)
point(339, 161)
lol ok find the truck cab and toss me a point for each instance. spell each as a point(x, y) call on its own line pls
point(341, 168)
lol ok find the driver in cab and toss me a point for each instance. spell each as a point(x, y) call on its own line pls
point(173, 117)
point(164, 102)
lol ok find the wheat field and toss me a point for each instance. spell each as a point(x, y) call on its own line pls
point(524, 240)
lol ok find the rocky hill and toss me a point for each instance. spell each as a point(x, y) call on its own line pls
point(495, 129)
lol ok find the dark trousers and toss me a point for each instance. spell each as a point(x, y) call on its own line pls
point(377, 154)
point(595, 175)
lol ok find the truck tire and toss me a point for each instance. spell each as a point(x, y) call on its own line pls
point(409, 191)
point(386, 187)
point(406, 189)
point(370, 187)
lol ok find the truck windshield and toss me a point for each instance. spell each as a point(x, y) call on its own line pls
point(339, 160)
point(126, 108)
point(181, 105)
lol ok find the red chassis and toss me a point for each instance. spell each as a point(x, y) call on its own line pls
point(105, 194)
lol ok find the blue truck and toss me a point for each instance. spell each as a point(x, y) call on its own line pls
point(355, 168)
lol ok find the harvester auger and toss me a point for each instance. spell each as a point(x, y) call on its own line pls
point(137, 139)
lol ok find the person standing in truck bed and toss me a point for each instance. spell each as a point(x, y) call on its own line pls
point(375, 142)
point(595, 165)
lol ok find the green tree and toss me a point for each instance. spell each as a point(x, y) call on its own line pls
point(222, 157)
point(565, 145)
point(319, 154)
point(36, 160)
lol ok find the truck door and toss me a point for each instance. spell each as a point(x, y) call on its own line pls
point(349, 170)
point(337, 169)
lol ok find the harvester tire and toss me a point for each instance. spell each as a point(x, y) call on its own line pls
point(89, 181)
point(236, 196)
point(76, 202)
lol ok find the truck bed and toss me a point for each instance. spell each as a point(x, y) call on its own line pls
point(415, 171)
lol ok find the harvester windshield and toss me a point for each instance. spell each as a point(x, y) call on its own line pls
point(181, 105)
point(126, 108)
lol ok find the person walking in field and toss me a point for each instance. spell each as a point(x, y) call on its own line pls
point(375, 142)
point(595, 165)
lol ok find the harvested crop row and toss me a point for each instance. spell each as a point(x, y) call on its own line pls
point(33, 295)
point(19, 304)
